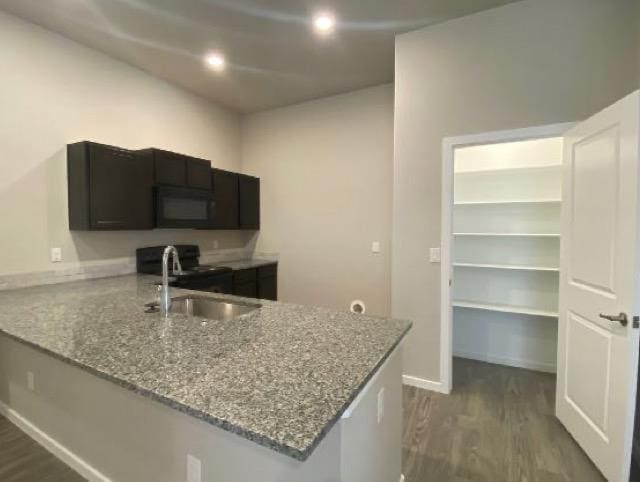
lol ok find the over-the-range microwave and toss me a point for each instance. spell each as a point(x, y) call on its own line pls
point(179, 207)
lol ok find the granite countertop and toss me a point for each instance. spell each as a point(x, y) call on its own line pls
point(280, 376)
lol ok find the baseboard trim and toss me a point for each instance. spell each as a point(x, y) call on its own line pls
point(512, 362)
point(53, 446)
point(424, 383)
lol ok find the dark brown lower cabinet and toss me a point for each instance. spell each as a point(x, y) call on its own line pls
point(261, 282)
point(248, 289)
point(245, 283)
point(268, 282)
point(268, 288)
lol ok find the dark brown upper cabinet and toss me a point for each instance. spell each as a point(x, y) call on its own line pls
point(199, 174)
point(109, 188)
point(224, 209)
point(249, 201)
point(173, 169)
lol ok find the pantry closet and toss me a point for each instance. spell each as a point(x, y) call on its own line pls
point(505, 253)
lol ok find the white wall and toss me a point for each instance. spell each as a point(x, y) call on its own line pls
point(326, 172)
point(53, 92)
point(529, 63)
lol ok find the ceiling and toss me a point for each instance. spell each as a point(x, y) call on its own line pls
point(273, 56)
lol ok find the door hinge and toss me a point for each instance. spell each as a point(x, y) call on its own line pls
point(635, 321)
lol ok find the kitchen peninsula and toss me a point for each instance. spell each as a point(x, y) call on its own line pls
point(284, 393)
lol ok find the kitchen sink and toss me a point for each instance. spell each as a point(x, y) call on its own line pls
point(210, 308)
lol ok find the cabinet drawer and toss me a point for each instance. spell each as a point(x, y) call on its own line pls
point(268, 270)
point(244, 275)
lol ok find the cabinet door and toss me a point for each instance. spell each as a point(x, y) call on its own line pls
point(247, 289)
point(225, 199)
point(249, 195)
point(245, 283)
point(268, 288)
point(170, 168)
point(198, 174)
point(120, 184)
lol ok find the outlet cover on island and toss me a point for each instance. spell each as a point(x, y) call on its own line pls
point(434, 255)
point(215, 244)
point(56, 255)
point(381, 405)
point(375, 247)
point(31, 381)
point(194, 469)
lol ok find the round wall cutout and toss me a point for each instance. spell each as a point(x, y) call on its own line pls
point(357, 306)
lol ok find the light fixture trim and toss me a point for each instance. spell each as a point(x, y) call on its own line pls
point(216, 61)
point(324, 22)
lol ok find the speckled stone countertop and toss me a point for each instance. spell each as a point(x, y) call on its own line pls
point(280, 376)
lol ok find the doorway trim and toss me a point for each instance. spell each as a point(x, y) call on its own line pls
point(449, 145)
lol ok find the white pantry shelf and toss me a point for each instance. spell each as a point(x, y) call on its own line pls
point(509, 170)
point(550, 269)
point(505, 308)
point(508, 201)
point(537, 235)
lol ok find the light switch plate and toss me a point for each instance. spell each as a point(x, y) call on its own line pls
point(375, 247)
point(56, 255)
point(434, 255)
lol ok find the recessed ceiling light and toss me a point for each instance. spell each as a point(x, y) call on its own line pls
point(324, 22)
point(216, 61)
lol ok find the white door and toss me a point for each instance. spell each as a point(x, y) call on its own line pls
point(598, 357)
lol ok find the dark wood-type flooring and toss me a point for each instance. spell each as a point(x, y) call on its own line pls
point(23, 460)
point(497, 425)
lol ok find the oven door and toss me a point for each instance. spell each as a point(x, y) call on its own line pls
point(178, 207)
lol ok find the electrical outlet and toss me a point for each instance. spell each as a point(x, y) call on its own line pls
point(380, 405)
point(31, 381)
point(194, 469)
point(434, 255)
point(215, 244)
point(375, 247)
point(56, 255)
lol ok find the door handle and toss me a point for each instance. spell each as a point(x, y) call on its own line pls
point(620, 318)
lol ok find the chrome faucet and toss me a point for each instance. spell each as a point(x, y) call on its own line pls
point(165, 294)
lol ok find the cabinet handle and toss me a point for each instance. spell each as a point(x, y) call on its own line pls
point(109, 222)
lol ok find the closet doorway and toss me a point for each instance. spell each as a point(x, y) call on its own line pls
point(520, 253)
point(501, 240)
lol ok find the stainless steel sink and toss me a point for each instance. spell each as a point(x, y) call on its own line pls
point(210, 308)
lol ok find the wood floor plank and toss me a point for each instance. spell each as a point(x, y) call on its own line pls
point(24, 460)
point(498, 425)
